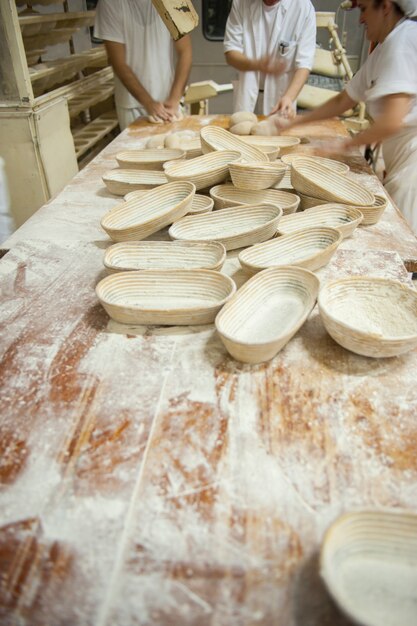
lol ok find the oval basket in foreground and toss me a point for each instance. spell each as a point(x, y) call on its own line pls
point(234, 228)
point(368, 561)
point(339, 216)
point(122, 181)
point(147, 159)
point(158, 255)
point(215, 138)
point(313, 179)
point(137, 219)
point(165, 297)
point(228, 195)
point(374, 317)
point(266, 312)
point(311, 249)
point(204, 171)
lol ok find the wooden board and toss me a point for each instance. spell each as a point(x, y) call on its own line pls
point(147, 478)
point(179, 16)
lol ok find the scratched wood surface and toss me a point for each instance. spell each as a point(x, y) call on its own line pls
point(146, 477)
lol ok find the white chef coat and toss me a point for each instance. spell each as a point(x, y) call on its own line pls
point(149, 46)
point(294, 26)
point(392, 68)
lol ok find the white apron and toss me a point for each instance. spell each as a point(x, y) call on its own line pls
point(246, 89)
point(400, 156)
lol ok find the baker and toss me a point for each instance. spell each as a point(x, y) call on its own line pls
point(387, 82)
point(272, 44)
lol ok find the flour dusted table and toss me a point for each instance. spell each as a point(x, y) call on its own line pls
point(146, 477)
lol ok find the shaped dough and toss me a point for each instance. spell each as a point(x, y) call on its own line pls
point(243, 128)
point(242, 116)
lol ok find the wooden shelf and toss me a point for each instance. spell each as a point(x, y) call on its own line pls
point(92, 133)
point(42, 30)
point(45, 75)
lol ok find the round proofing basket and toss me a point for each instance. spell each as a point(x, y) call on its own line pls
point(313, 179)
point(372, 214)
point(256, 175)
point(375, 317)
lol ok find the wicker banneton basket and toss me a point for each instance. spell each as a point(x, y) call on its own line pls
point(368, 563)
point(332, 164)
point(200, 204)
point(256, 175)
point(137, 219)
point(308, 202)
point(235, 227)
point(311, 249)
point(121, 181)
point(204, 171)
point(266, 312)
point(313, 179)
point(228, 195)
point(340, 216)
point(167, 297)
point(214, 138)
point(160, 255)
point(147, 159)
point(375, 317)
point(285, 144)
point(372, 214)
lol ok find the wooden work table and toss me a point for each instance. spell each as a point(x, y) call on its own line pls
point(148, 478)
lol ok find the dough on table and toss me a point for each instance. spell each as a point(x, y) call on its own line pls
point(242, 116)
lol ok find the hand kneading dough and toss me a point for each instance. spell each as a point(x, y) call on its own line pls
point(156, 142)
point(264, 128)
point(243, 128)
point(242, 116)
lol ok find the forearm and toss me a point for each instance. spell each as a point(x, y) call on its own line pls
point(240, 61)
point(382, 129)
point(332, 108)
point(182, 72)
point(297, 83)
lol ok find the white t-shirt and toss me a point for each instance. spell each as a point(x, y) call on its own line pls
point(149, 46)
point(269, 18)
point(391, 68)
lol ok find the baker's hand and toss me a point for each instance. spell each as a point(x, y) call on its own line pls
point(284, 108)
point(269, 65)
point(158, 111)
point(280, 122)
point(173, 109)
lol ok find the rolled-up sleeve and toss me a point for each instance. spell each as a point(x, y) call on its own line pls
point(306, 45)
point(233, 37)
point(108, 23)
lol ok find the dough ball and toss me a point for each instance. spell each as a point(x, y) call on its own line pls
point(173, 141)
point(186, 134)
point(264, 128)
point(157, 141)
point(242, 116)
point(243, 128)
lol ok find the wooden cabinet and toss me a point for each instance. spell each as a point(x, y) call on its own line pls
point(49, 89)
